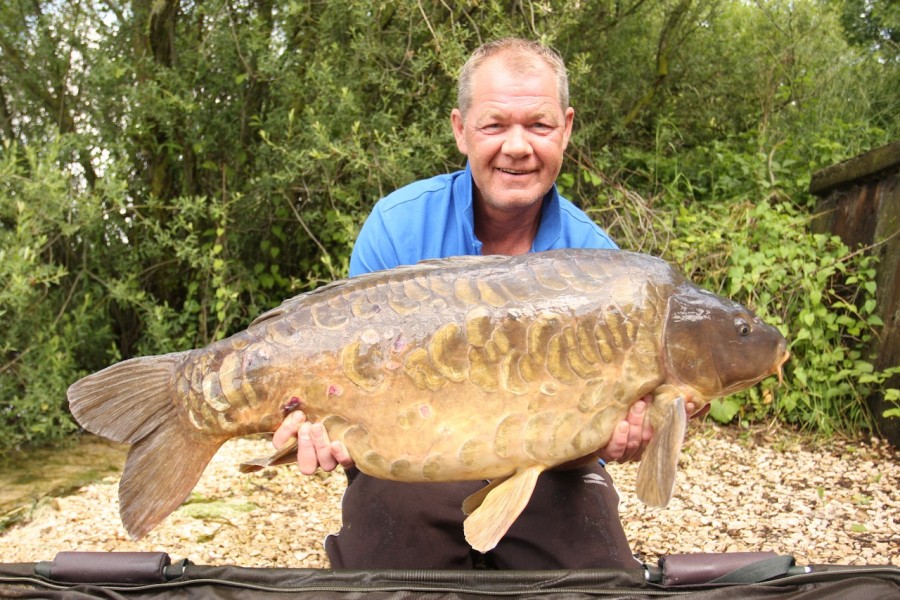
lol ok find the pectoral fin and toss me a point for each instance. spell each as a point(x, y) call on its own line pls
point(283, 456)
point(656, 473)
point(497, 507)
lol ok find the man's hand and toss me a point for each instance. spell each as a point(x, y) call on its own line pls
point(631, 436)
point(314, 449)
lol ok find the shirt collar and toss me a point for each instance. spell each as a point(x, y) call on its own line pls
point(462, 193)
point(549, 229)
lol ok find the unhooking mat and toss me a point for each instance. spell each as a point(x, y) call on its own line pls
point(130, 575)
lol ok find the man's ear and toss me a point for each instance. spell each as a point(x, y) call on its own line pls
point(459, 127)
point(570, 119)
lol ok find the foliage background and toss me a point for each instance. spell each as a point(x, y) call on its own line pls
point(170, 169)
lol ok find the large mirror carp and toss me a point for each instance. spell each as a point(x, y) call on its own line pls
point(464, 368)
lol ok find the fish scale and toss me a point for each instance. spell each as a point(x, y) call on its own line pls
point(467, 368)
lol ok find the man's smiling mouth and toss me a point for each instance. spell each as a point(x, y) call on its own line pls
point(515, 171)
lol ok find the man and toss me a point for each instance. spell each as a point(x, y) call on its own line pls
point(513, 123)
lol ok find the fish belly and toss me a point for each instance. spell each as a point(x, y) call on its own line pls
point(475, 437)
point(490, 415)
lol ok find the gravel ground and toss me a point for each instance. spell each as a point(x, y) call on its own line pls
point(835, 503)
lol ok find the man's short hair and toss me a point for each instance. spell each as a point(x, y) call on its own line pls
point(521, 56)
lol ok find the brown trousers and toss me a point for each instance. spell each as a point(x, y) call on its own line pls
point(571, 522)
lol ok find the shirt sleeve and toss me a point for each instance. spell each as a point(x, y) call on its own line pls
point(374, 248)
point(578, 230)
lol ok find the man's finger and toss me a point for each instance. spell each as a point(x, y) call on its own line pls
point(636, 422)
point(618, 442)
point(288, 428)
point(640, 430)
point(307, 459)
point(636, 419)
point(340, 453)
point(322, 445)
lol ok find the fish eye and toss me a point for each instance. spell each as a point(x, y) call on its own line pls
point(742, 327)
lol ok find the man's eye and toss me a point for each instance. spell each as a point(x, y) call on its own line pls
point(492, 128)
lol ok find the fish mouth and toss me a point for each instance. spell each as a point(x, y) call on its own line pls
point(778, 370)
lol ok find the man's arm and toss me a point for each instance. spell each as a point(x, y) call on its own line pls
point(374, 248)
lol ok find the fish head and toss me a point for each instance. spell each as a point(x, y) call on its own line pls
point(716, 346)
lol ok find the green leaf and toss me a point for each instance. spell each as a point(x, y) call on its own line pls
point(723, 410)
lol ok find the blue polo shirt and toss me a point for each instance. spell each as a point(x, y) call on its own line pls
point(434, 218)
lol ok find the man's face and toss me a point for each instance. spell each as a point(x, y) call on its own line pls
point(515, 133)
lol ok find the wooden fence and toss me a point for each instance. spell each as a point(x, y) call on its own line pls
point(859, 200)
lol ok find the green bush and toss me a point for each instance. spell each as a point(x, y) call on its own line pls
point(46, 321)
point(813, 288)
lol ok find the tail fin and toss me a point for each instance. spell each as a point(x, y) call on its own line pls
point(160, 473)
point(133, 402)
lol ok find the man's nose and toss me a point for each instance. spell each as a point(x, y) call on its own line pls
point(516, 142)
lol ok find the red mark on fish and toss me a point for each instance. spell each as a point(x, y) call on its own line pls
point(290, 406)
